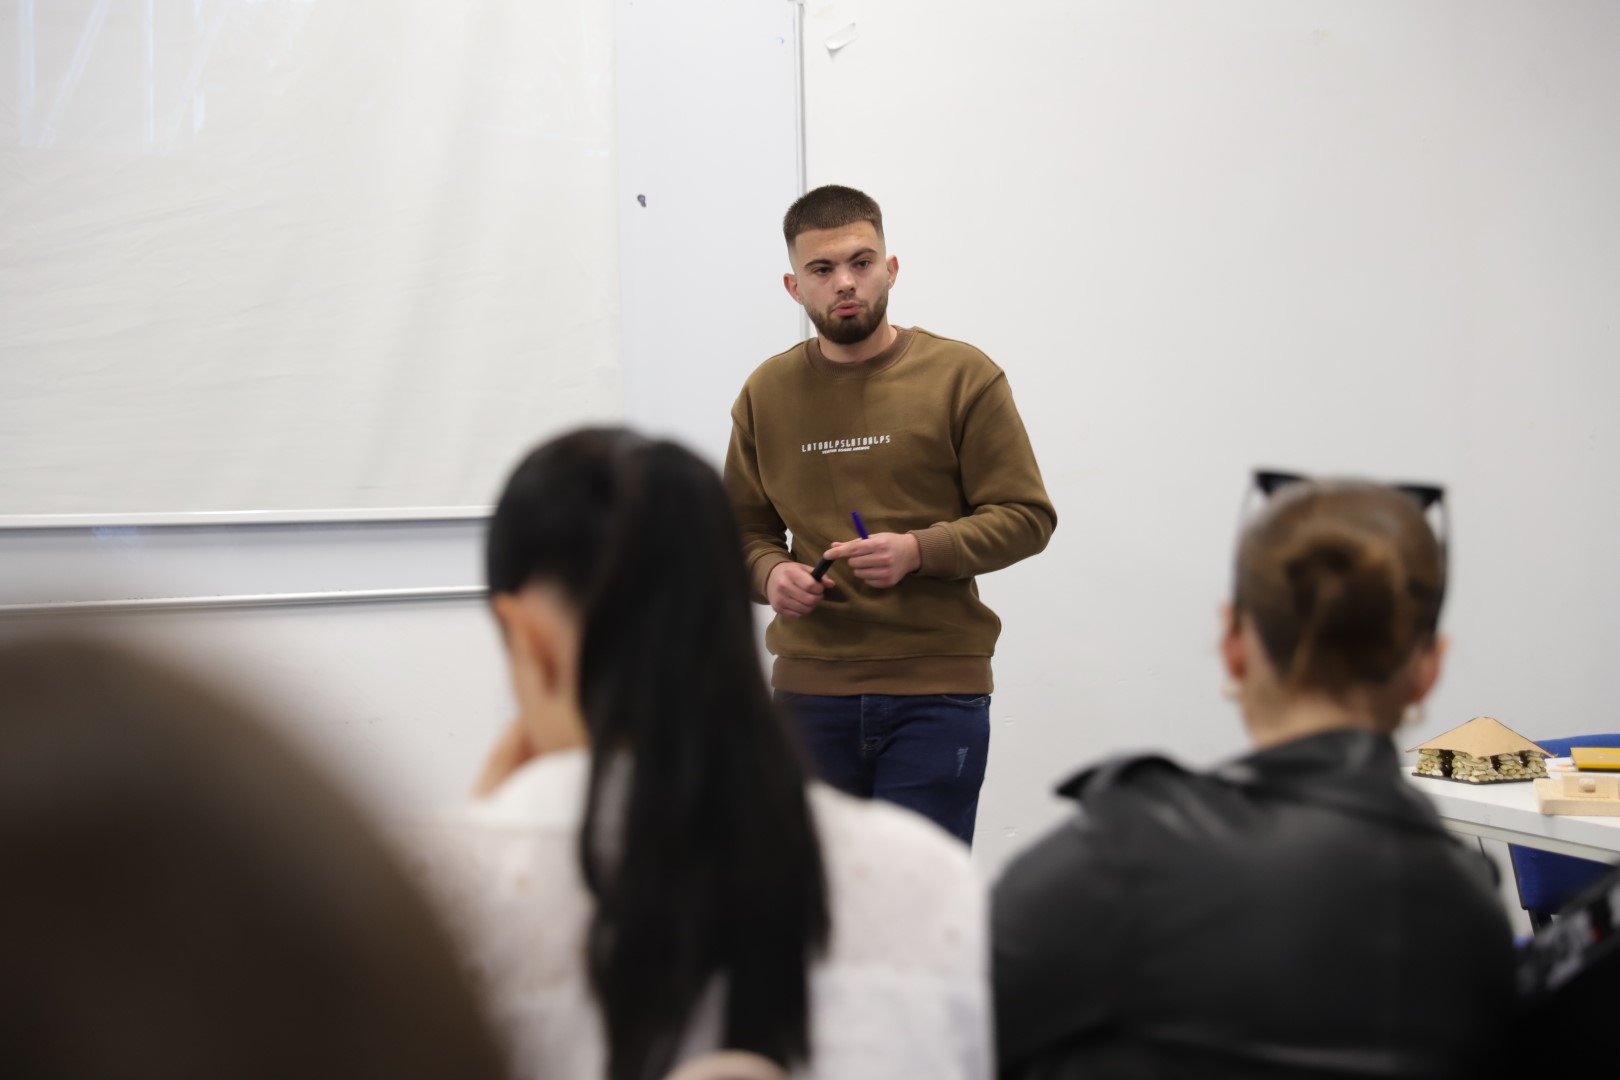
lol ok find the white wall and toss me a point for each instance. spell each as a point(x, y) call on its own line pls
point(708, 135)
point(1377, 238)
point(401, 701)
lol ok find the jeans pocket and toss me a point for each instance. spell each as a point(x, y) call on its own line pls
point(976, 701)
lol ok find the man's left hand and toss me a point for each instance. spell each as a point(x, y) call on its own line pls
point(882, 559)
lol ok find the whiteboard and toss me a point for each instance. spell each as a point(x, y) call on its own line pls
point(300, 255)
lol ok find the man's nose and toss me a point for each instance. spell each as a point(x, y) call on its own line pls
point(843, 279)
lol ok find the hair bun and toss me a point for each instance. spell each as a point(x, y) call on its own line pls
point(1342, 580)
point(1350, 597)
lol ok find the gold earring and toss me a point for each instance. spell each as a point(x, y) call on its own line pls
point(1230, 689)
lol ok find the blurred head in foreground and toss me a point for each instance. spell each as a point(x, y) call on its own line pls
point(186, 898)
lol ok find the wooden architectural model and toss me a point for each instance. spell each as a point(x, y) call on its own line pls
point(1482, 751)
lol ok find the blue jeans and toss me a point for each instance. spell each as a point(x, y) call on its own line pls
point(925, 752)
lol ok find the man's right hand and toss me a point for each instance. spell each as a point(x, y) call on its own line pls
point(793, 593)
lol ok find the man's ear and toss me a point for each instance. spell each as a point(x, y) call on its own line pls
point(894, 269)
point(790, 282)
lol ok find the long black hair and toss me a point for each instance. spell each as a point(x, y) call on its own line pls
point(713, 869)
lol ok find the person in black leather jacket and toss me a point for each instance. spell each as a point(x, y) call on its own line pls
point(1299, 912)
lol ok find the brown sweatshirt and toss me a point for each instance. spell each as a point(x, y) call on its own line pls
point(922, 438)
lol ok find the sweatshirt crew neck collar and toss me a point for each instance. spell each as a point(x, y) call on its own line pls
point(861, 368)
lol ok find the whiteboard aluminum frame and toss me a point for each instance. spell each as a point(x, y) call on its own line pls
point(150, 605)
point(209, 518)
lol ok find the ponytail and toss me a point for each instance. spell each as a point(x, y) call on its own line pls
point(698, 848)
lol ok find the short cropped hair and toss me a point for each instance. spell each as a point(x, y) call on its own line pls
point(830, 207)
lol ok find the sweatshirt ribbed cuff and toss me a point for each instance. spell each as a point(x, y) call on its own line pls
point(937, 551)
point(762, 573)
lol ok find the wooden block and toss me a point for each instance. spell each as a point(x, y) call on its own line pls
point(1578, 795)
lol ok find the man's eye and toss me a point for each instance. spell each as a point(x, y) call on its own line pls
point(863, 264)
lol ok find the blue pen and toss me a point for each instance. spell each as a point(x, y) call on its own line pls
point(860, 526)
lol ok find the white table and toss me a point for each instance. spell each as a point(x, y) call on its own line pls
point(1508, 812)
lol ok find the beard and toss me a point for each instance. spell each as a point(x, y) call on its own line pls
point(847, 331)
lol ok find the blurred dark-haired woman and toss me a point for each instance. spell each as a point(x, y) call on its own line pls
point(649, 873)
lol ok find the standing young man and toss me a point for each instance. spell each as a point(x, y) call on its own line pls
point(885, 661)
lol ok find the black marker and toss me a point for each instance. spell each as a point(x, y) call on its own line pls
point(826, 564)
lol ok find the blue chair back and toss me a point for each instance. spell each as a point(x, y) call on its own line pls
point(1548, 881)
